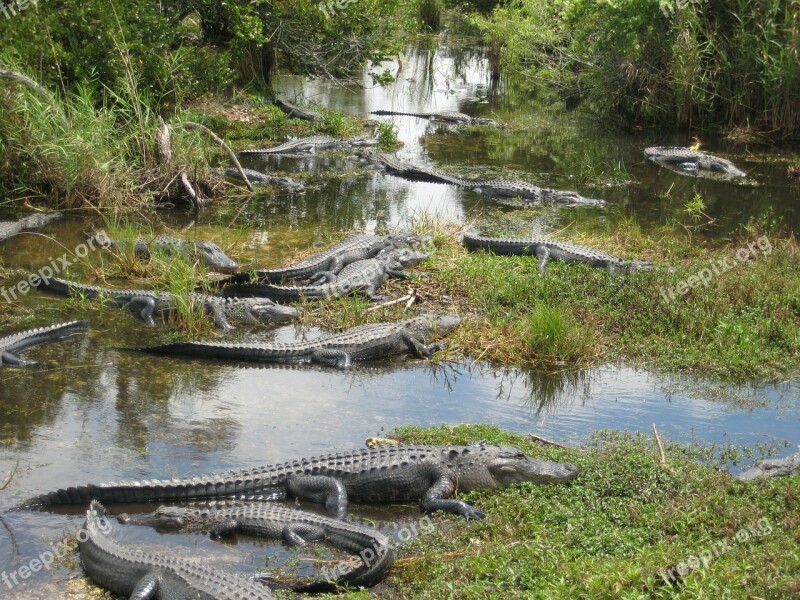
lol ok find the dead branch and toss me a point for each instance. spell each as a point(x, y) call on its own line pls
point(231, 154)
point(190, 190)
point(545, 441)
point(663, 459)
point(36, 88)
point(10, 476)
point(164, 139)
point(409, 299)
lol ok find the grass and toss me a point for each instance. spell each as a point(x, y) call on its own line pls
point(610, 532)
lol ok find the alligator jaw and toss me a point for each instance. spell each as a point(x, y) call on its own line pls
point(513, 466)
point(274, 313)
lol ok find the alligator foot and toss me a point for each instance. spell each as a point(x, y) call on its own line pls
point(321, 489)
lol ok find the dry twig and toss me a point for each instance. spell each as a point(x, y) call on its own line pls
point(224, 146)
point(663, 459)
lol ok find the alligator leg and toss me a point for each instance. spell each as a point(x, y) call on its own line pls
point(421, 349)
point(543, 254)
point(299, 534)
point(323, 277)
point(332, 358)
point(321, 489)
point(147, 587)
point(294, 534)
point(9, 359)
point(435, 499)
point(220, 320)
point(145, 306)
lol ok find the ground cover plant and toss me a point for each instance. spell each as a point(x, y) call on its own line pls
point(613, 532)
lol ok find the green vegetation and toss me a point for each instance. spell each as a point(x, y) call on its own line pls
point(741, 325)
point(704, 64)
point(430, 13)
point(611, 532)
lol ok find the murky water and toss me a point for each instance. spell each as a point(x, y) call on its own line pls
point(100, 411)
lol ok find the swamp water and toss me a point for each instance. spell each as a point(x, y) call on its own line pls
point(109, 413)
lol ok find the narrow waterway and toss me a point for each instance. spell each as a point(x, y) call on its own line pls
point(104, 412)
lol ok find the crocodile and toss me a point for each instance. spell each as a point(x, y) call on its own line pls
point(545, 250)
point(257, 177)
point(402, 473)
point(311, 144)
point(295, 112)
point(275, 521)
point(448, 116)
point(148, 303)
point(772, 467)
point(691, 162)
point(334, 259)
point(10, 345)
point(362, 277)
point(141, 574)
point(211, 255)
point(497, 188)
point(11, 228)
point(365, 342)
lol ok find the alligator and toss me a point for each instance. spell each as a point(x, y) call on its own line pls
point(772, 467)
point(334, 259)
point(10, 345)
point(403, 473)
point(141, 574)
point(498, 188)
point(448, 116)
point(148, 303)
point(275, 521)
point(311, 144)
point(691, 162)
point(365, 342)
point(208, 253)
point(362, 277)
point(295, 112)
point(10, 228)
point(545, 250)
point(257, 177)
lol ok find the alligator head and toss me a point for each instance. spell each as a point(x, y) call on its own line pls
point(213, 257)
point(269, 312)
point(504, 465)
point(166, 517)
point(428, 326)
point(408, 258)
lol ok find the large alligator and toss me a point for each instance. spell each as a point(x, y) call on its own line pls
point(275, 521)
point(691, 162)
point(10, 345)
point(141, 575)
point(9, 228)
point(257, 177)
point(448, 116)
point(311, 144)
point(147, 303)
point(402, 473)
point(365, 342)
point(296, 112)
point(362, 277)
point(772, 467)
point(334, 259)
point(208, 253)
point(545, 250)
point(498, 188)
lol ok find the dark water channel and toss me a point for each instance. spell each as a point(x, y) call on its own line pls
point(101, 412)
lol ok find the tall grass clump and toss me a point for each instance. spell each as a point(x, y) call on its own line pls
point(430, 14)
